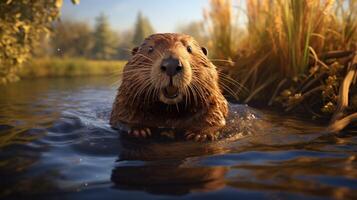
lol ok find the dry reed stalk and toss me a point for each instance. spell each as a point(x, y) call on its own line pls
point(344, 91)
point(340, 124)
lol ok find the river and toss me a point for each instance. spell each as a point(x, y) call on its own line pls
point(56, 143)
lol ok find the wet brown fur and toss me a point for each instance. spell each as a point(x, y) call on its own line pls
point(200, 111)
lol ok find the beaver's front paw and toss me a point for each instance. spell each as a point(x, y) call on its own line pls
point(139, 132)
point(201, 137)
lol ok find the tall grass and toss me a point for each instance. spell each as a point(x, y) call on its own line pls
point(281, 36)
point(69, 67)
point(220, 27)
point(288, 50)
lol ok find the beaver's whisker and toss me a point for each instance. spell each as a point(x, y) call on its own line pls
point(208, 89)
point(135, 70)
point(136, 83)
point(156, 93)
point(198, 94)
point(230, 91)
point(144, 56)
point(236, 88)
point(140, 54)
point(231, 80)
point(228, 88)
point(136, 67)
point(190, 93)
point(221, 60)
point(126, 49)
point(177, 108)
point(133, 74)
point(132, 96)
point(141, 64)
point(194, 97)
point(159, 54)
point(141, 61)
point(201, 91)
point(116, 83)
point(148, 94)
point(140, 90)
point(186, 97)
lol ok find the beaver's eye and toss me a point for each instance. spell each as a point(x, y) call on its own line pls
point(189, 49)
point(151, 49)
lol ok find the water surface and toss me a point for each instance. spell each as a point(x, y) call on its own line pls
point(55, 143)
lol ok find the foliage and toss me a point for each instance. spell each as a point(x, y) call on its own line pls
point(143, 29)
point(68, 67)
point(22, 23)
point(106, 40)
point(72, 39)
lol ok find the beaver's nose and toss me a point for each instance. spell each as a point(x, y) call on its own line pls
point(171, 66)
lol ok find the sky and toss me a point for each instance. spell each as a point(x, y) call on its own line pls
point(164, 15)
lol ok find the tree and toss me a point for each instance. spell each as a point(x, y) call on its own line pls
point(67, 33)
point(143, 29)
point(22, 24)
point(106, 40)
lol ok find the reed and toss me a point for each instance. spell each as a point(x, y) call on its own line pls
point(291, 51)
point(220, 27)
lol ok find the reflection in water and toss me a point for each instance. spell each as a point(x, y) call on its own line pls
point(295, 176)
point(169, 180)
point(166, 167)
point(55, 142)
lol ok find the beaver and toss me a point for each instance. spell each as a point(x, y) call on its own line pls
point(169, 82)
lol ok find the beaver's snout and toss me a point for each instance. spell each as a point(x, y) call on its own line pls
point(171, 66)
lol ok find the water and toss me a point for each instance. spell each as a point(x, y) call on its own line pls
point(55, 143)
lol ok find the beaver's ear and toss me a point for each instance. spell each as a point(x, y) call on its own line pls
point(134, 50)
point(204, 50)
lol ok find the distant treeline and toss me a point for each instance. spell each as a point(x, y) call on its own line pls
point(78, 39)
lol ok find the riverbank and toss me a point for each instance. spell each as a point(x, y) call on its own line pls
point(69, 67)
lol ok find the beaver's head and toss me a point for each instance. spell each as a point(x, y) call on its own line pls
point(170, 68)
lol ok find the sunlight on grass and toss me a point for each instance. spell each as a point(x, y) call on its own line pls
point(290, 54)
point(68, 67)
